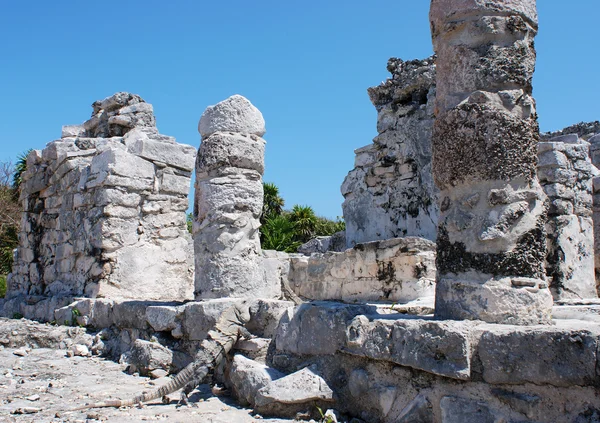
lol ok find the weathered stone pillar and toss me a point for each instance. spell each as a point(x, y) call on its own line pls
point(228, 202)
point(565, 172)
point(491, 237)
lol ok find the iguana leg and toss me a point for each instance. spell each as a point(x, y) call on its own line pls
point(244, 333)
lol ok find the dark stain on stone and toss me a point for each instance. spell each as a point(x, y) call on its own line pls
point(526, 259)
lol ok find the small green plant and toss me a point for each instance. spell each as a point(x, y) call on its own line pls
point(2, 286)
point(75, 313)
point(17, 316)
point(190, 222)
point(324, 418)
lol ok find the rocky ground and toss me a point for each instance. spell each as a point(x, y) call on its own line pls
point(41, 384)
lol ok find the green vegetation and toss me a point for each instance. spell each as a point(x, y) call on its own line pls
point(10, 214)
point(286, 230)
point(2, 286)
point(189, 221)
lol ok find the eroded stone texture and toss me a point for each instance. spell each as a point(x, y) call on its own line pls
point(104, 210)
point(399, 270)
point(565, 172)
point(390, 192)
point(228, 203)
point(594, 140)
point(491, 235)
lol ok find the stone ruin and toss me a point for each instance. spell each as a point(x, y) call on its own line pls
point(104, 210)
point(466, 291)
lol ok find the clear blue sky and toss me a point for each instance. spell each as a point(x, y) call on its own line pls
point(306, 65)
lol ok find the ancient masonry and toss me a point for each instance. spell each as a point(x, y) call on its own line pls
point(104, 210)
point(105, 217)
point(390, 192)
point(491, 237)
point(228, 202)
point(566, 173)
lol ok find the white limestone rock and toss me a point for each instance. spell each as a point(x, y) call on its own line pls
point(299, 388)
point(248, 377)
point(235, 114)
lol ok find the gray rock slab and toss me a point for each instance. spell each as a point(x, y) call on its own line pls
point(200, 317)
point(181, 156)
point(163, 318)
point(562, 355)
point(442, 348)
point(299, 388)
point(248, 377)
point(265, 315)
point(316, 328)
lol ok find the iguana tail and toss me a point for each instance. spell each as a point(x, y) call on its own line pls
point(190, 372)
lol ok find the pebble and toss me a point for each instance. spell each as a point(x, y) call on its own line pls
point(21, 352)
point(26, 410)
point(34, 397)
point(158, 373)
point(80, 350)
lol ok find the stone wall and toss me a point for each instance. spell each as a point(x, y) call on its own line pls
point(396, 270)
point(390, 192)
point(565, 172)
point(105, 210)
point(397, 368)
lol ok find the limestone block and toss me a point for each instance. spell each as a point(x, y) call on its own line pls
point(130, 314)
point(399, 270)
point(161, 272)
point(571, 257)
point(218, 196)
point(322, 244)
point(200, 317)
point(175, 184)
point(137, 108)
point(442, 348)
point(121, 163)
point(147, 356)
point(248, 377)
point(180, 156)
point(238, 150)
point(265, 315)
point(519, 301)
point(163, 318)
point(54, 149)
point(116, 197)
point(277, 268)
point(301, 387)
point(560, 356)
point(316, 328)
point(235, 114)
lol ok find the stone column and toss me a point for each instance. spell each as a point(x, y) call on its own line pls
point(491, 237)
point(228, 202)
point(565, 172)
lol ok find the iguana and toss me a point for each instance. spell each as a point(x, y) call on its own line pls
point(220, 340)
